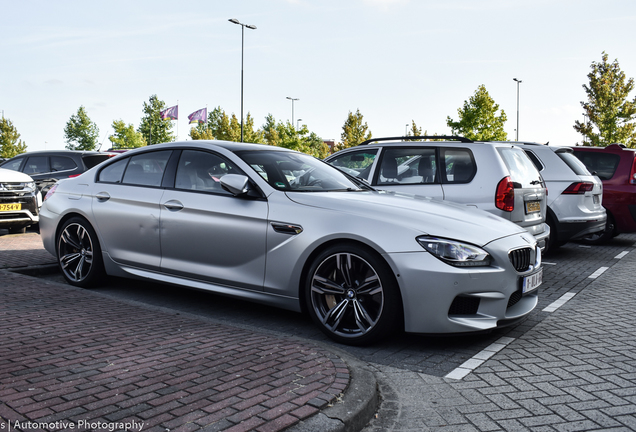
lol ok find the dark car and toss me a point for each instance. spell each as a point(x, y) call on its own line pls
point(615, 165)
point(46, 167)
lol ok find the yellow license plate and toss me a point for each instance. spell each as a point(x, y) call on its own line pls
point(10, 207)
point(533, 206)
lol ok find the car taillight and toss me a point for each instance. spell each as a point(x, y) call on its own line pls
point(579, 188)
point(632, 175)
point(51, 191)
point(505, 196)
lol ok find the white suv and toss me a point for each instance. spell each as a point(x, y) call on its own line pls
point(493, 176)
point(575, 198)
point(20, 201)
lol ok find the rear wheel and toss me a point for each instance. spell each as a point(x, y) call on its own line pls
point(79, 254)
point(604, 236)
point(352, 296)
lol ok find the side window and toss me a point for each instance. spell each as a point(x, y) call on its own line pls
point(202, 171)
point(62, 163)
point(13, 165)
point(36, 165)
point(357, 163)
point(147, 169)
point(603, 164)
point(535, 160)
point(458, 165)
point(113, 172)
point(411, 165)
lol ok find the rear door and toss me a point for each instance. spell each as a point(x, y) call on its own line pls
point(412, 170)
point(126, 206)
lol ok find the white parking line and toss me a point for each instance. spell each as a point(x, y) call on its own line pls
point(621, 255)
point(560, 302)
point(598, 272)
point(548, 263)
point(469, 365)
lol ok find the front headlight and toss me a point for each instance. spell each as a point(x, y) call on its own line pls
point(455, 253)
point(30, 187)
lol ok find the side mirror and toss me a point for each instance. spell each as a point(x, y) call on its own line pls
point(236, 184)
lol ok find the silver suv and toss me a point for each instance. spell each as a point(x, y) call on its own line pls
point(496, 177)
point(19, 201)
point(575, 198)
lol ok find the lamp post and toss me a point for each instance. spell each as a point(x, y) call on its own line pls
point(235, 21)
point(518, 82)
point(292, 99)
point(298, 123)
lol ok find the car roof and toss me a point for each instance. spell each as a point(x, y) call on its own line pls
point(229, 145)
point(58, 153)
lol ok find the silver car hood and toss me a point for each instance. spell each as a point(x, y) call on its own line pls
point(421, 214)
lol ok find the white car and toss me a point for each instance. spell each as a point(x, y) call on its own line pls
point(575, 197)
point(20, 201)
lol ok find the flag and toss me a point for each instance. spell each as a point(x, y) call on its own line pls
point(200, 116)
point(171, 113)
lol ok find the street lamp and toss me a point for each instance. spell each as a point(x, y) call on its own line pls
point(518, 82)
point(298, 123)
point(292, 99)
point(235, 21)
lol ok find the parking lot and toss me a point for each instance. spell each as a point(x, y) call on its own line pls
point(444, 361)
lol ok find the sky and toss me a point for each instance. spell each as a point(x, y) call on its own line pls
point(395, 61)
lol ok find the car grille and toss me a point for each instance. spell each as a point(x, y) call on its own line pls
point(464, 306)
point(521, 259)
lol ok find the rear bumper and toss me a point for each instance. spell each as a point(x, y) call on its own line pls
point(542, 238)
point(574, 230)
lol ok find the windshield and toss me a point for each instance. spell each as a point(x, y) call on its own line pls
point(297, 172)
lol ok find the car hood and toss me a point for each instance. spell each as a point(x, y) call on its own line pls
point(7, 175)
point(421, 214)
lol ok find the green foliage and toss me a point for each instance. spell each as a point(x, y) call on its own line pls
point(153, 128)
point(220, 126)
point(125, 136)
point(353, 131)
point(608, 107)
point(10, 143)
point(478, 119)
point(286, 135)
point(415, 131)
point(80, 132)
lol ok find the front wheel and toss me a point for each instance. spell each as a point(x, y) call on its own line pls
point(79, 254)
point(351, 294)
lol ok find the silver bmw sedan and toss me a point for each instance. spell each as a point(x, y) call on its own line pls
point(275, 226)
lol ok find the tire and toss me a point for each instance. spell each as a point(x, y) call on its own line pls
point(604, 236)
point(352, 296)
point(553, 241)
point(79, 254)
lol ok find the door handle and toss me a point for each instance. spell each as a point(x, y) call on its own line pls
point(102, 196)
point(173, 205)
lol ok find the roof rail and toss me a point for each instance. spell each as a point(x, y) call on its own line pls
point(413, 138)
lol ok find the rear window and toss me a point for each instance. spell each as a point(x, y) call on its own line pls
point(574, 163)
point(523, 173)
point(93, 160)
point(602, 164)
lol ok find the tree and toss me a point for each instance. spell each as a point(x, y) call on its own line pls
point(286, 135)
point(353, 131)
point(80, 132)
point(10, 143)
point(415, 131)
point(125, 136)
point(607, 107)
point(220, 126)
point(153, 128)
point(478, 119)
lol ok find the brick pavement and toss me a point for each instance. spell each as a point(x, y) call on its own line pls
point(575, 370)
point(69, 356)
